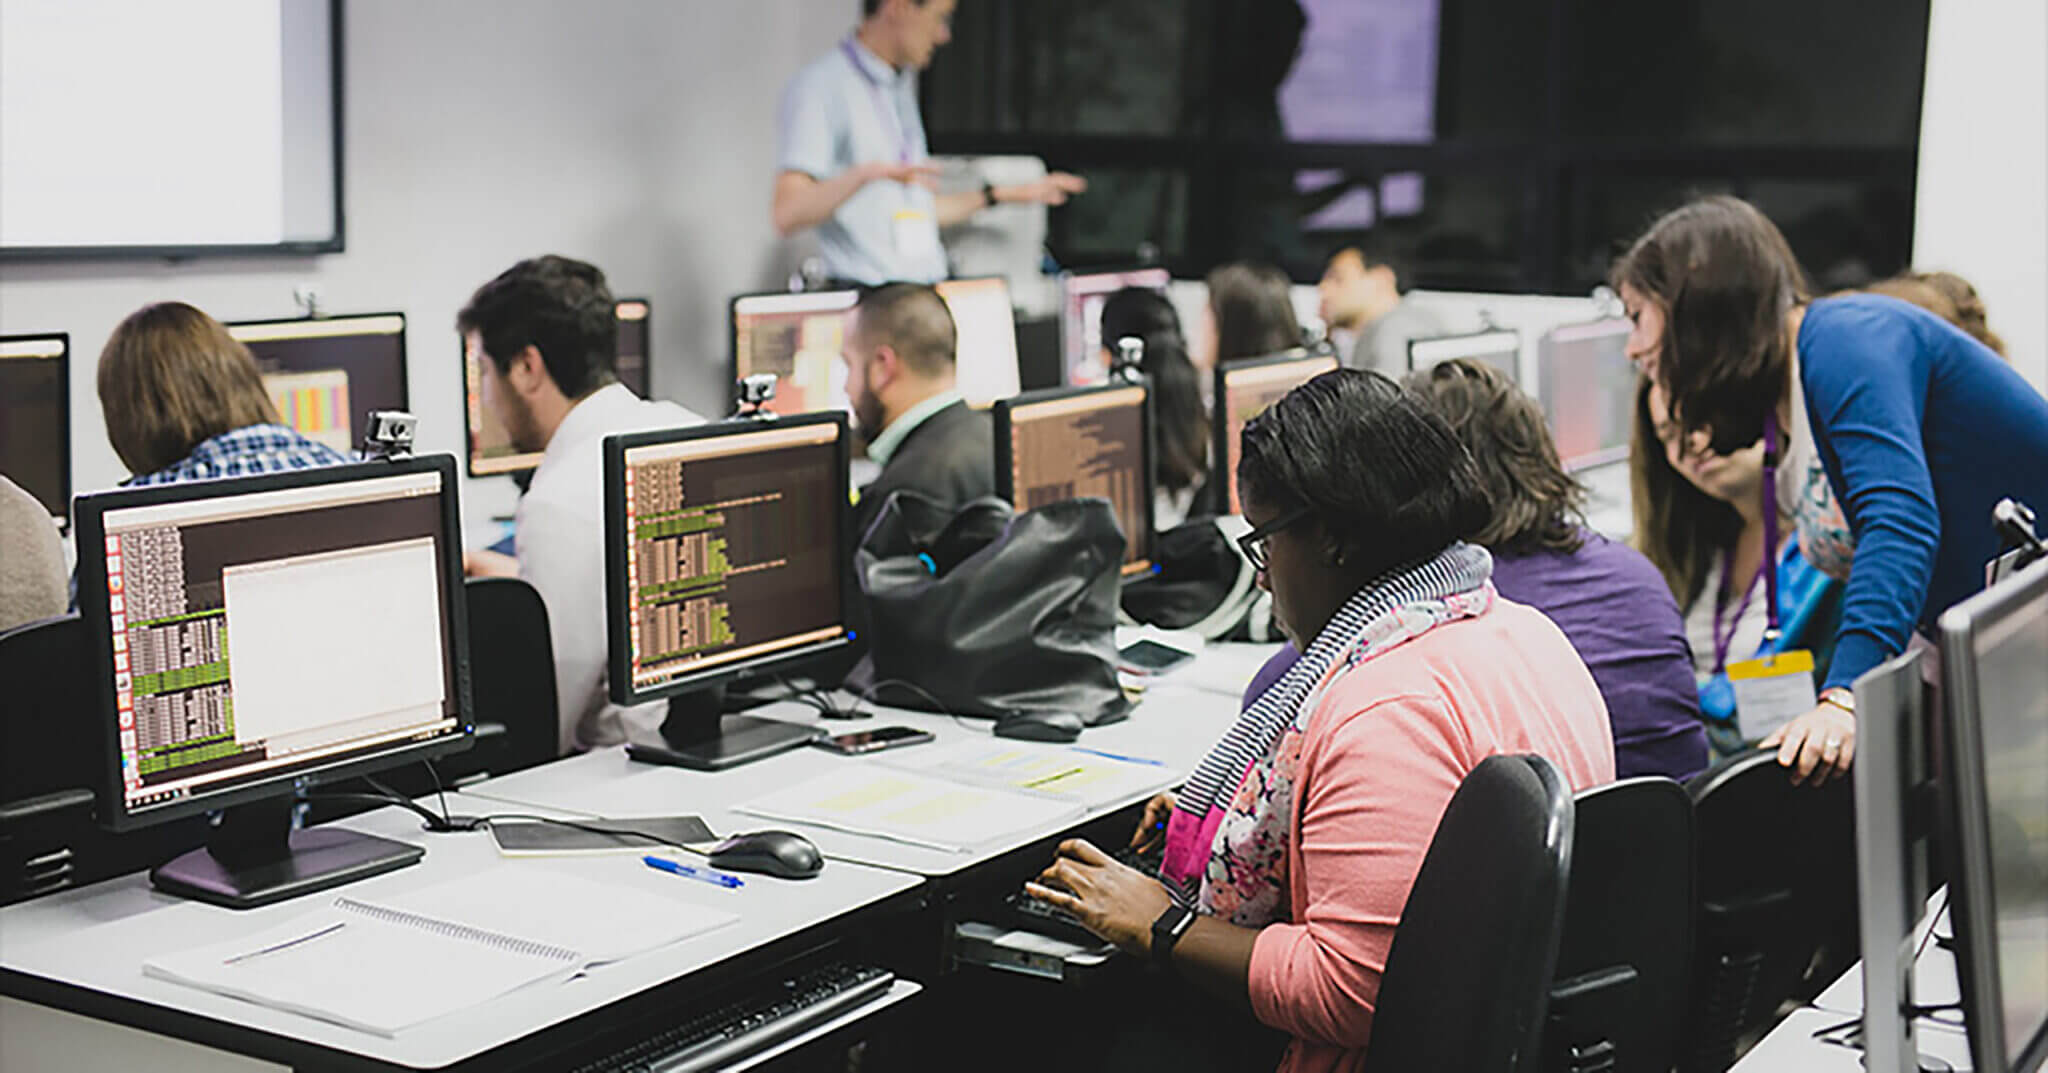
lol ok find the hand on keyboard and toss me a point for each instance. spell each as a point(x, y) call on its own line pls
point(1113, 900)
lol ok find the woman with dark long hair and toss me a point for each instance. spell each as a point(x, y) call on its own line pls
point(1915, 428)
point(1250, 314)
point(1180, 461)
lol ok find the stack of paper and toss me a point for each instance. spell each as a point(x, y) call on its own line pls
point(385, 965)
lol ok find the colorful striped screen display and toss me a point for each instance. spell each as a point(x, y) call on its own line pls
point(315, 404)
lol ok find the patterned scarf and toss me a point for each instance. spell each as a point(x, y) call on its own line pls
point(1238, 870)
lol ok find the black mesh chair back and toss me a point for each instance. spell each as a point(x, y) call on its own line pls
point(47, 750)
point(1617, 1003)
point(1469, 971)
point(512, 679)
point(51, 770)
point(1777, 900)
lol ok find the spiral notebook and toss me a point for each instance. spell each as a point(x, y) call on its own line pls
point(384, 966)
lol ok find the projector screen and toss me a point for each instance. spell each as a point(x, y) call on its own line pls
point(139, 127)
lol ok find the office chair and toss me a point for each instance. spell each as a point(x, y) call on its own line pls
point(46, 757)
point(1617, 1002)
point(1777, 900)
point(512, 679)
point(1469, 971)
point(50, 772)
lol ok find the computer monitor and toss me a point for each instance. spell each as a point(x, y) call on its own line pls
point(327, 374)
point(35, 418)
point(1897, 810)
point(726, 551)
point(634, 364)
point(1081, 297)
point(797, 337)
point(1499, 349)
point(1587, 387)
point(985, 348)
point(1994, 663)
point(1244, 389)
point(250, 634)
point(1073, 442)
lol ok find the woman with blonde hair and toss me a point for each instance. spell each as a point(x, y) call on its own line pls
point(183, 401)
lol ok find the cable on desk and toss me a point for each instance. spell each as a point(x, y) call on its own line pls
point(869, 696)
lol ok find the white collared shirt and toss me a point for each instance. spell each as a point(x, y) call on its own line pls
point(559, 534)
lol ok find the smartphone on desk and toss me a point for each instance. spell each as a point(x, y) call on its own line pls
point(873, 741)
point(1151, 657)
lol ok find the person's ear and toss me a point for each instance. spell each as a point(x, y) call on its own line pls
point(884, 366)
point(1383, 276)
point(526, 371)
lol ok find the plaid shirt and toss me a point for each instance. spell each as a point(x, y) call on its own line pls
point(245, 452)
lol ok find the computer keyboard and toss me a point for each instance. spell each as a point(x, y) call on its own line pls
point(764, 1016)
point(1031, 914)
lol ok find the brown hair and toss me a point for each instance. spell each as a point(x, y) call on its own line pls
point(1724, 278)
point(1535, 503)
point(171, 378)
point(1677, 527)
point(914, 319)
point(1254, 315)
point(1946, 295)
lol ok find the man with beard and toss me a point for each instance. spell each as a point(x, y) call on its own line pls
point(544, 335)
point(899, 353)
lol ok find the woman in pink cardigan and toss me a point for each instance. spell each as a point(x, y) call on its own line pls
point(1290, 852)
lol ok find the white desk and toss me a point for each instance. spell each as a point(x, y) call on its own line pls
point(1178, 721)
point(1793, 1047)
point(82, 951)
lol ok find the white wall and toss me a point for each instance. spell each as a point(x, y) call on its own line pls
point(1983, 190)
point(637, 134)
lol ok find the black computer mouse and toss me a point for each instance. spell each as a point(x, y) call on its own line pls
point(771, 853)
point(1040, 726)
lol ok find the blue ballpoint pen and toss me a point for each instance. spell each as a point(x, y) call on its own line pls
point(706, 875)
point(1118, 756)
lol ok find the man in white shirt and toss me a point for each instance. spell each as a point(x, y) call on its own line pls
point(1370, 321)
point(545, 335)
point(852, 159)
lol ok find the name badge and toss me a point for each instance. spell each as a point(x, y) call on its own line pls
point(915, 232)
point(1771, 691)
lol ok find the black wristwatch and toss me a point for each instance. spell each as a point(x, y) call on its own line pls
point(988, 193)
point(1167, 931)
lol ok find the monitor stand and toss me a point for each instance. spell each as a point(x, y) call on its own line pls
point(255, 858)
point(700, 735)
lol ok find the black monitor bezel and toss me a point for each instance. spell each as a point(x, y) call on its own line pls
point(1220, 479)
point(92, 608)
point(63, 339)
point(1005, 472)
point(1971, 902)
point(732, 333)
point(1066, 279)
point(648, 357)
point(404, 353)
point(618, 645)
point(1511, 332)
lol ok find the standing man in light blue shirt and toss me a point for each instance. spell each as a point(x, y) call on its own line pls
point(853, 161)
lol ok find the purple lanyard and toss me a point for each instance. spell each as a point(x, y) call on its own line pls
point(1767, 569)
point(885, 109)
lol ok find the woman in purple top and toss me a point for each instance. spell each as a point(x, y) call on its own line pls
point(1610, 602)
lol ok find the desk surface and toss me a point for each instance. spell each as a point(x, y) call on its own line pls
point(83, 950)
point(1179, 720)
point(1801, 1044)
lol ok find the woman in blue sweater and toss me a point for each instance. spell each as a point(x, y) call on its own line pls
point(1916, 429)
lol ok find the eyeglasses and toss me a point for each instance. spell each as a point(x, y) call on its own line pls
point(1253, 544)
